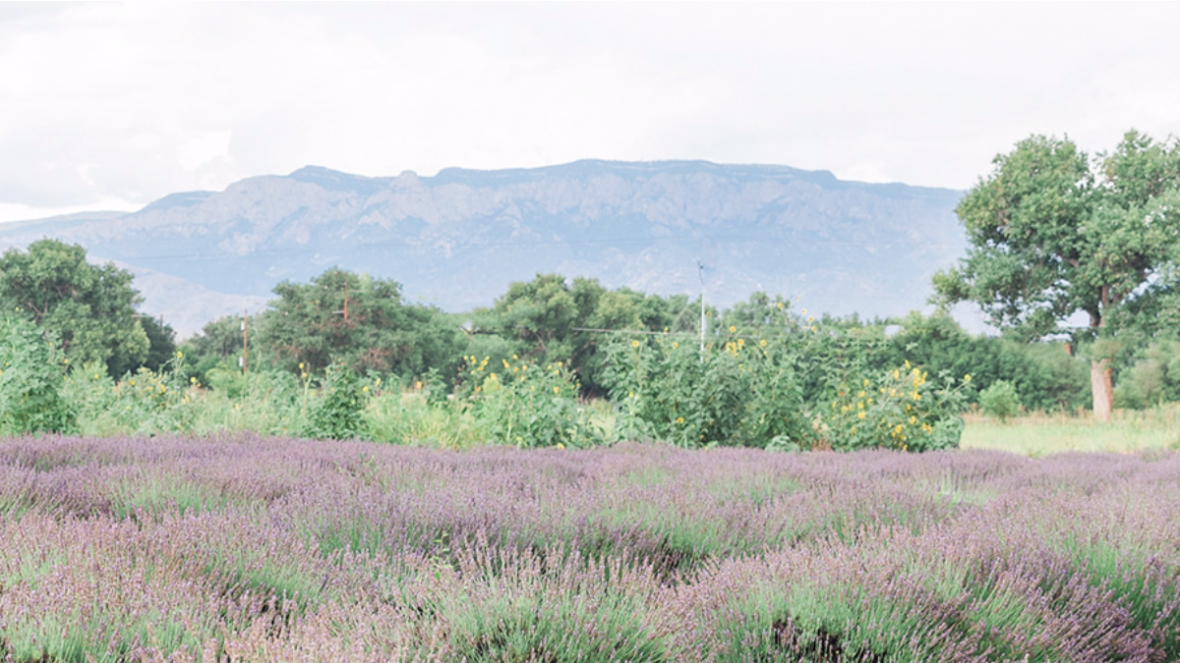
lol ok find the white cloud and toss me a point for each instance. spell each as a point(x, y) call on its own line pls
point(200, 150)
point(130, 102)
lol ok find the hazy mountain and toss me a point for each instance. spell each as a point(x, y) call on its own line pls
point(457, 239)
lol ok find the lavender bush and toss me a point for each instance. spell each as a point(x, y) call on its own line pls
point(263, 549)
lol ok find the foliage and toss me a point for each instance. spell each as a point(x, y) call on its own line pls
point(1051, 236)
point(552, 319)
point(1045, 374)
point(146, 401)
point(742, 393)
point(308, 325)
point(1152, 377)
point(31, 373)
point(90, 308)
point(218, 344)
point(408, 418)
point(1000, 400)
point(161, 342)
point(338, 415)
point(527, 405)
point(898, 409)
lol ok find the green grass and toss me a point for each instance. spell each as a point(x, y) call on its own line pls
point(1043, 434)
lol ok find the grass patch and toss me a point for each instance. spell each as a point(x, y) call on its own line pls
point(1041, 434)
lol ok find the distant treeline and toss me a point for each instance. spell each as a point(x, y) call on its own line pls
point(365, 324)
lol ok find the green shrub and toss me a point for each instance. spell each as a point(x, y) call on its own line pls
point(899, 409)
point(145, 402)
point(339, 414)
point(743, 392)
point(32, 369)
point(526, 404)
point(1000, 400)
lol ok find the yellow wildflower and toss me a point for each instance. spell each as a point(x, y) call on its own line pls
point(860, 415)
point(679, 420)
point(967, 378)
point(732, 329)
point(762, 343)
point(634, 344)
point(557, 390)
point(675, 345)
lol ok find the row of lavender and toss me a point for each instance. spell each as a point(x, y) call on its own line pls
point(253, 549)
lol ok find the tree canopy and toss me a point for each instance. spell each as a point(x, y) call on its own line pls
point(359, 321)
point(91, 308)
point(1053, 232)
point(554, 319)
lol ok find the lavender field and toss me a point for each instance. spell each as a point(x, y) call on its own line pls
point(261, 549)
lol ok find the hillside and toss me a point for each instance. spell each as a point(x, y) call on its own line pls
point(457, 239)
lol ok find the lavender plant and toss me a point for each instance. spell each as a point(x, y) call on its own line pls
point(247, 548)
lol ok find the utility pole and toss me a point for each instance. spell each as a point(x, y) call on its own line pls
point(245, 340)
point(701, 276)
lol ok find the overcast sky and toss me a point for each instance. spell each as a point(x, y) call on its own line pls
point(110, 106)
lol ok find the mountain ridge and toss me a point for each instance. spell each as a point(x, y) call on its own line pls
point(457, 238)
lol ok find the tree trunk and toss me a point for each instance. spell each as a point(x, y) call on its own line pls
point(1101, 388)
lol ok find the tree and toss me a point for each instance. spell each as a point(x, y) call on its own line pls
point(358, 321)
point(548, 318)
point(220, 338)
point(90, 308)
point(1053, 233)
point(162, 343)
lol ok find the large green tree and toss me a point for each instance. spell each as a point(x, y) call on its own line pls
point(1053, 232)
point(554, 319)
point(90, 307)
point(356, 320)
